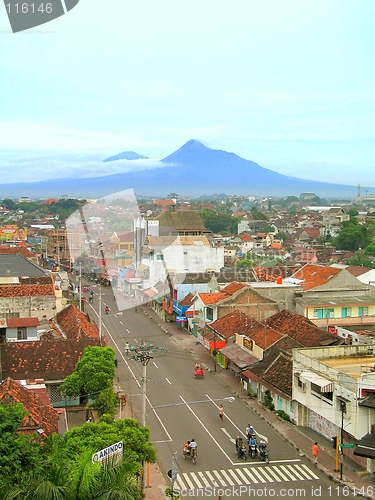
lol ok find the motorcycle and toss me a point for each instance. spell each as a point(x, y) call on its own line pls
point(253, 450)
point(263, 455)
point(241, 452)
point(190, 452)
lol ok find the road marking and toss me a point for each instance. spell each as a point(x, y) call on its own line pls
point(121, 323)
point(243, 476)
point(192, 474)
point(228, 435)
point(230, 482)
point(296, 473)
point(169, 382)
point(205, 428)
point(232, 473)
point(310, 471)
point(156, 366)
point(253, 478)
point(128, 331)
point(287, 472)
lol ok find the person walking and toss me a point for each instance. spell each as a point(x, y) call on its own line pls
point(221, 412)
point(315, 452)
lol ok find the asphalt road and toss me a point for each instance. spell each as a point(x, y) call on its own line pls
point(192, 411)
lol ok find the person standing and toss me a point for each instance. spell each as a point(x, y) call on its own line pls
point(315, 452)
point(221, 412)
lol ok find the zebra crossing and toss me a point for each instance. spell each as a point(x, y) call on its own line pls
point(243, 476)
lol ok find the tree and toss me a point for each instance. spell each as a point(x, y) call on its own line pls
point(353, 236)
point(19, 453)
point(9, 204)
point(95, 437)
point(281, 235)
point(92, 373)
point(257, 214)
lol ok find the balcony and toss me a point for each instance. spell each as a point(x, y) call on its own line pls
point(349, 321)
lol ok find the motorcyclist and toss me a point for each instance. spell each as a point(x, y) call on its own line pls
point(106, 309)
point(253, 443)
point(262, 447)
point(193, 447)
point(186, 447)
point(239, 445)
point(249, 431)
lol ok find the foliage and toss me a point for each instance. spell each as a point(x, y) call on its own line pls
point(19, 453)
point(353, 235)
point(257, 214)
point(360, 260)
point(94, 437)
point(281, 235)
point(172, 494)
point(283, 415)
point(251, 393)
point(9, 204)
point(268, 400)
point(105, 403)
point(352, 212)
point(77, 478)
point(92, 372)
point(370, 249)
point(220, 222)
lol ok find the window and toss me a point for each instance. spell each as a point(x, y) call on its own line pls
point(362, 311)
point(316, 390)
point(346, 312)
point(160, 256)
point(21, 333)
point(291, 407)
point(210, 314)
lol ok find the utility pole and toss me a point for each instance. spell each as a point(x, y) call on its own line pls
point(80, 286)
point(343, 410)
point(100, 315)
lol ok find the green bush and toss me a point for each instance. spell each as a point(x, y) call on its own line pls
point(268, 400)
point(283, 415)
point(251, 393)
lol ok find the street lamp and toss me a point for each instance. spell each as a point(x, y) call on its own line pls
point(229, 399)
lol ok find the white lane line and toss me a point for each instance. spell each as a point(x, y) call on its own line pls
point(136, 341)
point(169, 382)
point(263, 471)
point(228, 435)
point(310, 471)
point(226, 416)
point(128, 331)
point(290, 467)
point(225, 474)
point(241, 474)
point(208, 432)
point(159, 419)
point(204, 480)
point(189, 483)
point(259, 476)
point(211, 478)
point(156, 366)
point(287, 472)
point(221, 480)
point(272, 472)
point(253, 478)
point(284, 478)
point(121, 323)
point(233, 474)
point(193, 475)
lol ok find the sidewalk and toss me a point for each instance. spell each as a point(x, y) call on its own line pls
point(300, 437)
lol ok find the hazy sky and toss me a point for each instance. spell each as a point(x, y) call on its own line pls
point(287, 84)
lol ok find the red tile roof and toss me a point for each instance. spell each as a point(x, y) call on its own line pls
point(16, 250)
point(22, 322)
point(301, 329)
point(75, 324)
point(279, 375)
point(8, 291)
point(42, 359)
point(212, 298)
point(314, 275)
point(188, 300)
point(233, 287)
point(40, 415)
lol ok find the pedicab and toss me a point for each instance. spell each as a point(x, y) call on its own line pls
point(198, 372)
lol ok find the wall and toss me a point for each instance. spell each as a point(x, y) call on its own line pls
point(39, 306)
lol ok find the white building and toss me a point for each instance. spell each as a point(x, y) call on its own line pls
point(329, 387)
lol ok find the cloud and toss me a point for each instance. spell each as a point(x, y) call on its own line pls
point(16, 167)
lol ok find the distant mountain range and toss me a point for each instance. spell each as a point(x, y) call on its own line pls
point(192, 170)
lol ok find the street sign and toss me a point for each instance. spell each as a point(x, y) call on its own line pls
point(347, 445)
point(181, 318)
point(112, 454)
point(174, 469)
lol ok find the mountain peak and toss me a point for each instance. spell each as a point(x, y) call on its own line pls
point(126, 155)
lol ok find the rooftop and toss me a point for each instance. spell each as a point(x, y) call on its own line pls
point(351, 365)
